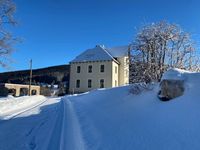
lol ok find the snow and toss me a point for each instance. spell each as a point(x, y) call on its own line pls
point(191, 79)
point(109, 119)
point(175, 74)
point(33, 129)
point(11, 106)
point(96, 54)
point(116, 119)
point(101, 53)
point(119, 51)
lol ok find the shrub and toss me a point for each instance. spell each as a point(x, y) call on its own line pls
point(45, 91)
point(4, 91)
point(138, 88)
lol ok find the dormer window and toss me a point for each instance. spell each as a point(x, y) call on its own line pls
point(90, 69)
point(102, 67)
point(78, 69)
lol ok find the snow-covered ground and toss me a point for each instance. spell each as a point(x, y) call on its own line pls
point(109, 119)
point(115, 119)
point(11, 106)
point(33, 128)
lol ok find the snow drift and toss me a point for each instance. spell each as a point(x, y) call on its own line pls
point(11, 106)
point(116, 119)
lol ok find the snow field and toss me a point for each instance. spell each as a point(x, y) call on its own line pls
point(10, 107)
point(116, 119)
point(105, 119)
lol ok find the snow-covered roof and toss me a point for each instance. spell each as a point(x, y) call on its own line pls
point(119, 51)
point(101, 53)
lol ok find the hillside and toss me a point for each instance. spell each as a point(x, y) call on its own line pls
point(49, 75)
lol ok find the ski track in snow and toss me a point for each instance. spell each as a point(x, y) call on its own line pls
point(71, 135)
point(48, 125)
point(66, 133)
point(17, 113)
point(30, 129)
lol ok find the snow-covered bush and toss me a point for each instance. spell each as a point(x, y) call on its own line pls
point(140, 87)
point(159, 46)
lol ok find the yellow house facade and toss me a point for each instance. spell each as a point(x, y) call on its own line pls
point(99, 67)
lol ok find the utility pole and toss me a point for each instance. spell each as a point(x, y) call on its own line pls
point(29, 93)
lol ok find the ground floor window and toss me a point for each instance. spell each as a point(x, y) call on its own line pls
point(115, 82)
point(102, 83)
point(12, 92)
point(89, 83)
point(33, 92)
point(23, 91)
point(78, 82)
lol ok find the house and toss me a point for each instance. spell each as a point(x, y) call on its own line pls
point(99, 67)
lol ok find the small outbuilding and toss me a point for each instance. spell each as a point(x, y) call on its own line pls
point(21, 89)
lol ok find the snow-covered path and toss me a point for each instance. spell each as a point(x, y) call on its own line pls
point(32, 129)
point(47, 124)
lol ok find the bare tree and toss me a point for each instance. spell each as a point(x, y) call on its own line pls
point(157, 47)
point(7, 10)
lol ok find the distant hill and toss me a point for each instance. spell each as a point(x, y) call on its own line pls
point(50, 75)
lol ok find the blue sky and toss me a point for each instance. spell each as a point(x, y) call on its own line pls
point(55, 31)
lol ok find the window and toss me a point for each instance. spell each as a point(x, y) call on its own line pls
point(78, 83)
point(102, 68)
point(102, 83)
point(115, 82)
point(24, 91)
point(33, 92)
point(90, 69)
point(127, 60)
point(89, 83)
point(78, 70)
point(115, 69)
